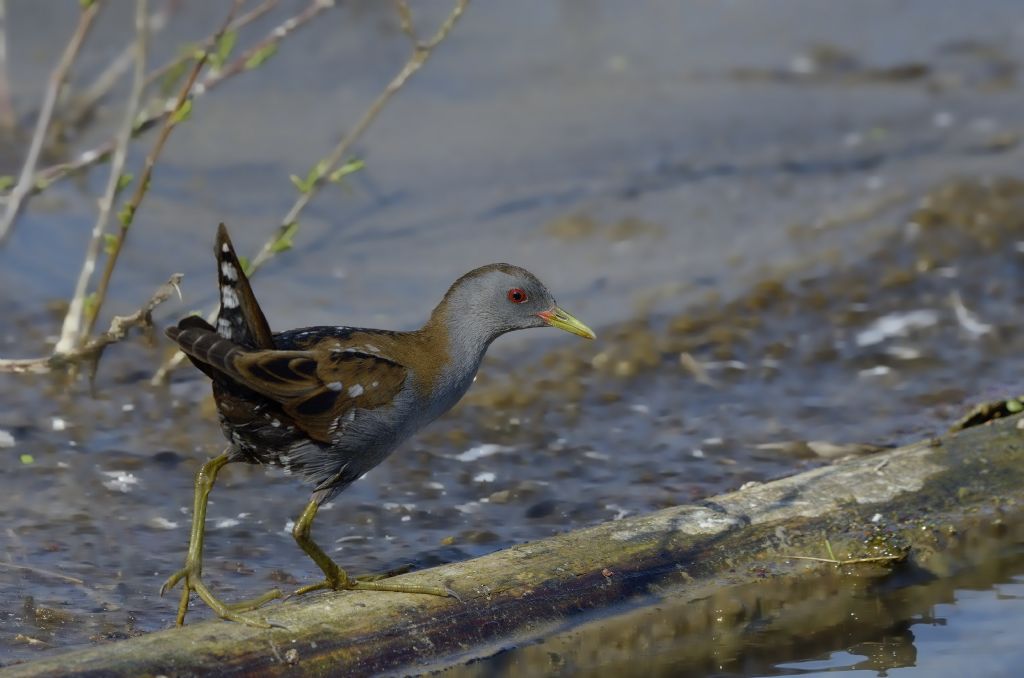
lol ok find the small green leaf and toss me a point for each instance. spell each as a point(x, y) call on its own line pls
point(284, 241)
point(183, 112)
point(259, 56)
point(300, 183)
point(123, 180)
point(89, 305)
point(27, 459)
point(126, 215)
point(110, 242)
point(317, 171)
point(246, 264)
point(225, 44)
point(6, 181)
point(348, 168)
point(1014, 406)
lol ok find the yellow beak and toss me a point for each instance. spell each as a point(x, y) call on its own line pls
point(556, 317)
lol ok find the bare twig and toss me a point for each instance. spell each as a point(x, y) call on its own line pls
point(8, 119)
point(181, 108)
point(323, 169)
point(265, 48)
point(249, 60)
point(210, 42)
point(832, 560)
point(43, 573)
point(27, 178)
point(421, 53)
point(91, 351)
point(40, 571)
point(71, 330)
point(85, 102)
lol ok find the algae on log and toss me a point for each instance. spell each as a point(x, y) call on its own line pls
point(923, 495)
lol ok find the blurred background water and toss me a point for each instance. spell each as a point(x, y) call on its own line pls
point(795, 226)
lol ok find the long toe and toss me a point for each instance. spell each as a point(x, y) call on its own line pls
point(253, 603)
point(377, 576)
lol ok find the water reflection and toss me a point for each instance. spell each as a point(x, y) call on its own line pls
point(967, 624)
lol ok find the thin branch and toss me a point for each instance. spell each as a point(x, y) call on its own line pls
point(27, 179)
point(421, 53)
point(250, 60)
point(40, 571)
point(210, 41)
point(93, 349)
point(839, 562)
point(323, 169)
point(71, 330)
point(8, 118)
point(85, 102)
point(405, 20)
point(182, 105)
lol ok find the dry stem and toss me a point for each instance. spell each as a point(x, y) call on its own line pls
point(8, 119)
point(92, 350)
point(85, 103)
point(156, 113)
point(421, 53)
point(210, 42)
point(26, 181)
point(885, 560)
point(40, 571)
point(71, 330)
point(142, 185)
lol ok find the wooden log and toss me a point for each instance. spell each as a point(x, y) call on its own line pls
point(918, 499)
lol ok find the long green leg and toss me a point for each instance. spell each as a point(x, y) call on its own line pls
point(335, 577)
point(193, 570)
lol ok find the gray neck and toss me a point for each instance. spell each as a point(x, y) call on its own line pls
point(466, 350)
point(465, 344)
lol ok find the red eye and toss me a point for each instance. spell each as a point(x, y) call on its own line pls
point(516, 295)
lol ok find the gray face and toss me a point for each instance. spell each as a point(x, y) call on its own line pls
point(498, 298)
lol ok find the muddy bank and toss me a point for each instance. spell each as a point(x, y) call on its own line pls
point(903, 508)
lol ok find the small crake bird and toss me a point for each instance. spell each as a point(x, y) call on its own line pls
point(330, 403)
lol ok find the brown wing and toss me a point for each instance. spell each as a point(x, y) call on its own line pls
point(317, 387)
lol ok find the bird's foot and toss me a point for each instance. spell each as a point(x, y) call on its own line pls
point(191, 575)
point(338, 580)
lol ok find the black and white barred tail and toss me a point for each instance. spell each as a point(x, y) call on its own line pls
point(240, 319)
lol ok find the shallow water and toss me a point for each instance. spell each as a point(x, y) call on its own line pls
point(732, 215)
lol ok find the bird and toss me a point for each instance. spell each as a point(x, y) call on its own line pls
point(329, 403)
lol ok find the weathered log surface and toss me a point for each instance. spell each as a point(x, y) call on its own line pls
point(924, 494)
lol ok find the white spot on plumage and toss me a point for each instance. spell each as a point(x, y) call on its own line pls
point(228, 271)
point(372, 349)
point(355, 391)
point(228, 298)
point(334, 385)
point(225, 249)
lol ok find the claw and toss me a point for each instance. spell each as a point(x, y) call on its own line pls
point(172, 581)
point(452, 594)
